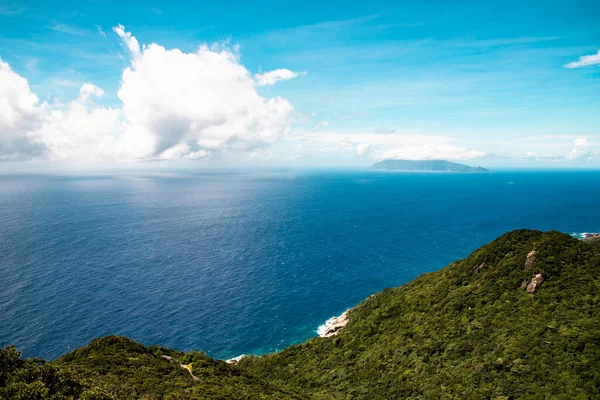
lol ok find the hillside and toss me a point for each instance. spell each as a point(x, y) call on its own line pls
point(425, 165)
point(116, 367)
point(468, 331)
point(594, 241)
point(476, 329)
point(127, 369)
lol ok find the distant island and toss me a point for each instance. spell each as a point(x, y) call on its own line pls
point(425, 165)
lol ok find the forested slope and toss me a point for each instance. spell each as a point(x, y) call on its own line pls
point(519, 318)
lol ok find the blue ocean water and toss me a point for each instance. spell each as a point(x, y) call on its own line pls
point(236, 263)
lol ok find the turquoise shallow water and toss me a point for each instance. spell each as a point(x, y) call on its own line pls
point(245, 263)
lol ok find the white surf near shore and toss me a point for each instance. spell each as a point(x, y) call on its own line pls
point(585, 235)
point(235, 360)
point(333, 325)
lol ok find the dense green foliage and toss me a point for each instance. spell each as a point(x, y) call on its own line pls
point(595, 241)
point(118, 368)
point(469, 331)
point(36, 379)
point(129, 370)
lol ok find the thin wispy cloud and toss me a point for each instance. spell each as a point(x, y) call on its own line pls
point(319, 125)
point(585, 61)
point(52, 47)
point(497, 42)
point(68, 29)
point(383, 146)
point(272, 77)
point(100, 31)
point(532, 156)
point(32, 64)
point(335, 24)
point(317, 30)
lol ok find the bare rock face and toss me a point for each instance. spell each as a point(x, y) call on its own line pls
point(334, 325)
point(535, 283)
point(235, 360)
point(530, 260)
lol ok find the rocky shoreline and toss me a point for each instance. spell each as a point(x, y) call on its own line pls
point(333, 325)
point(235, 360)
point(587, 235)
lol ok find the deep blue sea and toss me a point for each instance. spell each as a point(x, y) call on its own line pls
point(236, 263)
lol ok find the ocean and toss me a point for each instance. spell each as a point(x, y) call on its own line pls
point(238, 263)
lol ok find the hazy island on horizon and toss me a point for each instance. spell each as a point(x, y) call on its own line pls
point(425, 165)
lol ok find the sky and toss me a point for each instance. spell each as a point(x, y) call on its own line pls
point(215, 83)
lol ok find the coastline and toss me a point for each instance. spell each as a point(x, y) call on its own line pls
point(330, 328)
point(334, 325)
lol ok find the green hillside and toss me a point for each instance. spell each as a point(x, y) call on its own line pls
point(595, 241)
point(467, 331)
point(116, 367)
point(129, 370)
point(477, 329)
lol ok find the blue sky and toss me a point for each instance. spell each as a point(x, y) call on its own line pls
point(479, 81)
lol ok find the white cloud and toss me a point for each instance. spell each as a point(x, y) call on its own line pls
point(272, 77)
point(362, 149)
point(585, 61)
point(579, 152)
point(174, 105)
point(530, 155)
point(81, 132)
point(580, 149)
point(89, 89)
point(183, 151)
point(386, 145)
point(319, 125)
point(130, 41)
point(20, 117)
point(442, 151)
point(206, 100)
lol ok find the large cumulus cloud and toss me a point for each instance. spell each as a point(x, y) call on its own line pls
point(174, 105)
point(184, 104)
point(21, 115)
